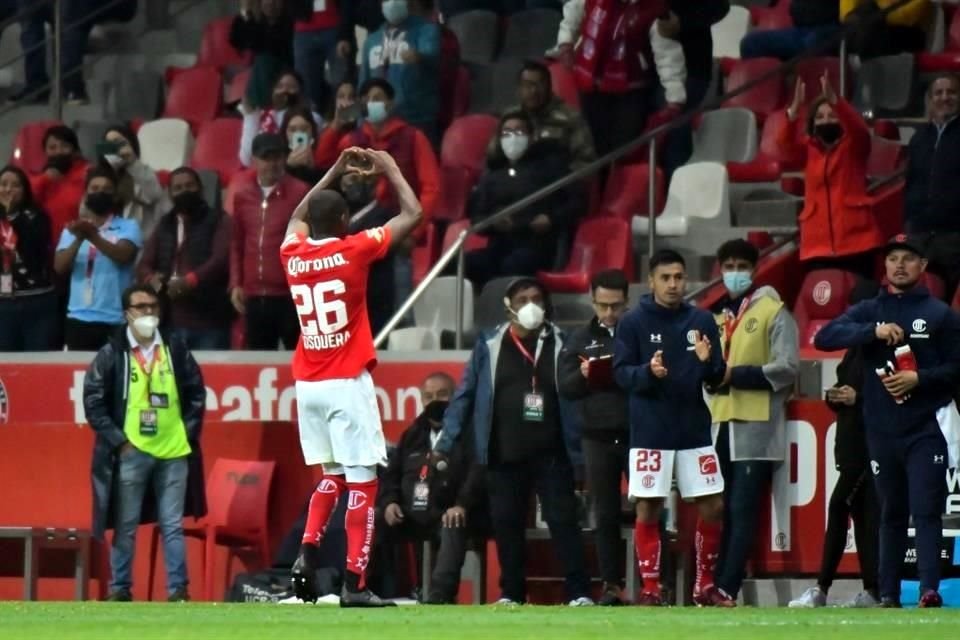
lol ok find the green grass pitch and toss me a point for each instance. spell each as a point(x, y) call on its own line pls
point(143, 621)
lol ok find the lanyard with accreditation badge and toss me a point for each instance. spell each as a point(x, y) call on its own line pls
point(730, 325)
point(533, 401)
point(148, 417)
point(8, 248)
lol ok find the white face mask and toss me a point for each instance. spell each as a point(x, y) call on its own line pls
point(145, 326)
point(530, 316)
point(514, 146)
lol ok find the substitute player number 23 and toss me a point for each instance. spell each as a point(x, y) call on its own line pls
point(648, 460)
point(319, 307)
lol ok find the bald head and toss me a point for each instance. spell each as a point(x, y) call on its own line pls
point(327, 215)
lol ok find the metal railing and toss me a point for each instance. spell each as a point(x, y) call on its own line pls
point(838, 40)
point(55, 85)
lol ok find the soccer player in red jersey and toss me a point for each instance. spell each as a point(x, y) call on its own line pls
point(338, 416)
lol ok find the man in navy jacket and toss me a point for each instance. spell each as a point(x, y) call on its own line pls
point(663, 357)
point(910, 416)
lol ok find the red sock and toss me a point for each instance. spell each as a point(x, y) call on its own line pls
point(708, 545)
point(646, 541)
point(359, 524)
point(322, 503)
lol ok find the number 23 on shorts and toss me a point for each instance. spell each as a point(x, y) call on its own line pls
point(647, 460)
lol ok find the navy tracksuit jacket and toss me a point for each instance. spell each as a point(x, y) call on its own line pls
point(907, 449)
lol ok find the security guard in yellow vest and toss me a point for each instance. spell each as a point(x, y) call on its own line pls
point(144, 397)
point(759, 341)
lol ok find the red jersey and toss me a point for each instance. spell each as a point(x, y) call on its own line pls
point(328, 282)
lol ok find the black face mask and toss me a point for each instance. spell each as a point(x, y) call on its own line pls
point(358, 195)
point(828, 132)
point(61, 162)
point(100, 203)
point(285, 100)
point(189, 203)
point(434, 411)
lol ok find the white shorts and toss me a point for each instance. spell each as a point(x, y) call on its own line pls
point(340, 422)
point(651, 472)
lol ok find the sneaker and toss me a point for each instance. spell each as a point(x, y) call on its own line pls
point(180, 595)
point(714, 597)
point(506, 602)
point(363, 598)
point(120, 595)
point(582, 601)
point(863, 600)
point(887, 602)
point(27, 95)
point(303, 572)
point(930, 600)
point(612, 595)
point(812, 598)
point(649, 599)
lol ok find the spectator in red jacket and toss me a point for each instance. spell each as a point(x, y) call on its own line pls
point(837, 227)
point(383, 131)
point(262, 208)
point(61, 187)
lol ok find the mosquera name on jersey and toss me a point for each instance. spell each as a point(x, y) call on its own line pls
point(328, 282)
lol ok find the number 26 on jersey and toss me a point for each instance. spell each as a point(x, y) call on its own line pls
point(322, 314)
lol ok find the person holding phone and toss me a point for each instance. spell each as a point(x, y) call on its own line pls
point(586, 376)
point(287, 93)
point(301, 131)
point(138, 188)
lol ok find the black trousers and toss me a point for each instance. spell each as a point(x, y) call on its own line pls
point(616, 118)
point(270, 320)
point(510, 486)
point(606, 465)
point(855, 497)
point(87, 336)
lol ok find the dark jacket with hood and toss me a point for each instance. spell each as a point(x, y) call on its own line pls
point(932, 197)
point(105, 391)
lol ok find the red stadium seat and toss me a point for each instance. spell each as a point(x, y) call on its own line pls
point(955, 305)
point(216, 147)
point(763, 99)
point(886, 157)
point(425, 255)
point(473, 243)
point(771, 159)
point(823, 296)
point(775, 17)
point(600, 243)
point(564, 84)
point(195, 95)
point(216, 50)
point(237, 87)
point(887, 129)
point(238, 493)
point(465, 142)
point(934, 284)
point(811, 69)
point(949, 58)
point(627, 192)
point(457, 183)
point(28, 152)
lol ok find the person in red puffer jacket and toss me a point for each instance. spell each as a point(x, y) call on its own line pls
point(837, 225)
point(262, 208)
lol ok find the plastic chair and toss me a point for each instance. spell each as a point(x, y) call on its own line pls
point(436, 308)
point(698, 191)
point(453, 232)
point(725, 135)
point(886, 85)
point(195, 95)
point(89, 134)
point(457, 183)
point(530, 33)
point(165, 144)
point(413, 339)
point(600, 243)
point(478, 32)
point(465, 142)
point(216, 147)
point(775, 17)
point(564, 84)
point(772, 159)
point(823, 296)
point(811, 69)
point(949, 58)
point(728, 33)
point(28, 151)
point(886, 157)
point(134, 95)
point(215, 48)
point(627, 192)
point(489, 311)
point(763, 99)
point(237, 87)
point(238, 493)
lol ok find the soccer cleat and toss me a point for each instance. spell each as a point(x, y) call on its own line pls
point(303, 573)
point(180, 595)
point(812, 598)
point(582, 601)
point(649, 599)
point(863, 600)
point(887, 602)
point(714, 596)
point(612, 595)
point(363, 598)
point(120, 595)
point(930, 600)
point(506, 602)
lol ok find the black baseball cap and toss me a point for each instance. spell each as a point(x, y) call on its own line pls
point(903, 241)
point(267, 143)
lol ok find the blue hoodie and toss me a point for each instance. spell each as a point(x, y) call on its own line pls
point(931, 329)
point(668, 413)
point(416, 85)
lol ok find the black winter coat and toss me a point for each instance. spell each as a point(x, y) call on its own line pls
point(932, 196)
point(604, 413)
point(105, 404)
point(850, 447)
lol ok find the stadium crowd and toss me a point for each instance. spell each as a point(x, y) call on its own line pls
point(83, 230)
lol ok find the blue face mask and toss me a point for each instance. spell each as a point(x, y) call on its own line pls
point(376, 111)
point(737, 282)
point(395, 11)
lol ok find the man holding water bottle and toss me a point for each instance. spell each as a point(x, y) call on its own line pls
point(911, 343)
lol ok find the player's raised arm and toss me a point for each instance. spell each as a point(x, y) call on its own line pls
point(411, 213)
point(298, 219)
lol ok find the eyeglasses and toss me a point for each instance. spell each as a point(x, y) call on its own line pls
point(145, 307)
point(509, 133)
point(609, 306)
